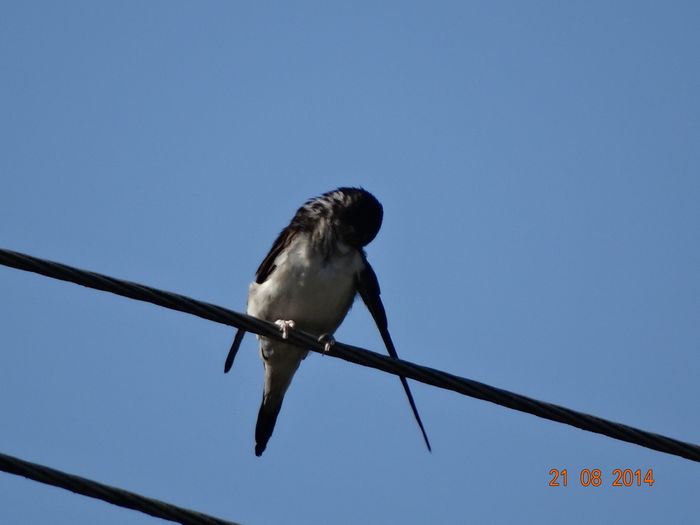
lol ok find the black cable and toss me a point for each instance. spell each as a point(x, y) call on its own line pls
point(355, 355)
point(116, 496)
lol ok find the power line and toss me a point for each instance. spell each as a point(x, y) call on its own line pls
point(117, 496)
point(354, 354)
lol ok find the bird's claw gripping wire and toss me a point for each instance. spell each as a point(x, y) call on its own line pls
point(327, 340)
point(284, 326)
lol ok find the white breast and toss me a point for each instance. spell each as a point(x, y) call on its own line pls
point(314, 292)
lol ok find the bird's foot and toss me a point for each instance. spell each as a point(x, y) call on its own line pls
point(327, 340)
point(284, 327)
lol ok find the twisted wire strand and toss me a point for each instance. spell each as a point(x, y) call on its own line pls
point(355, 355)
point(114, 495)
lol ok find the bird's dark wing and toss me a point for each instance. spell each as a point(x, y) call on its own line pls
point(368, 287)
point(234, 349)
point(267, 266)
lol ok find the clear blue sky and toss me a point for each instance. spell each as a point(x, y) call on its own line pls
point(539, 166)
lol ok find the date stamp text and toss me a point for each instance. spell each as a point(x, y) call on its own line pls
point(596, 478)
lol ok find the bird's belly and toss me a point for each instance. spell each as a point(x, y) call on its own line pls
point(315, 295)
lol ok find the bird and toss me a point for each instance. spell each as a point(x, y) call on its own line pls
point(308, 281)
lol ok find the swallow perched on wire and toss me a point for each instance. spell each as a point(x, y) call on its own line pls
point(308, 281)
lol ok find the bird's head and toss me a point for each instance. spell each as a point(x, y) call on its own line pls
point(359, 216)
